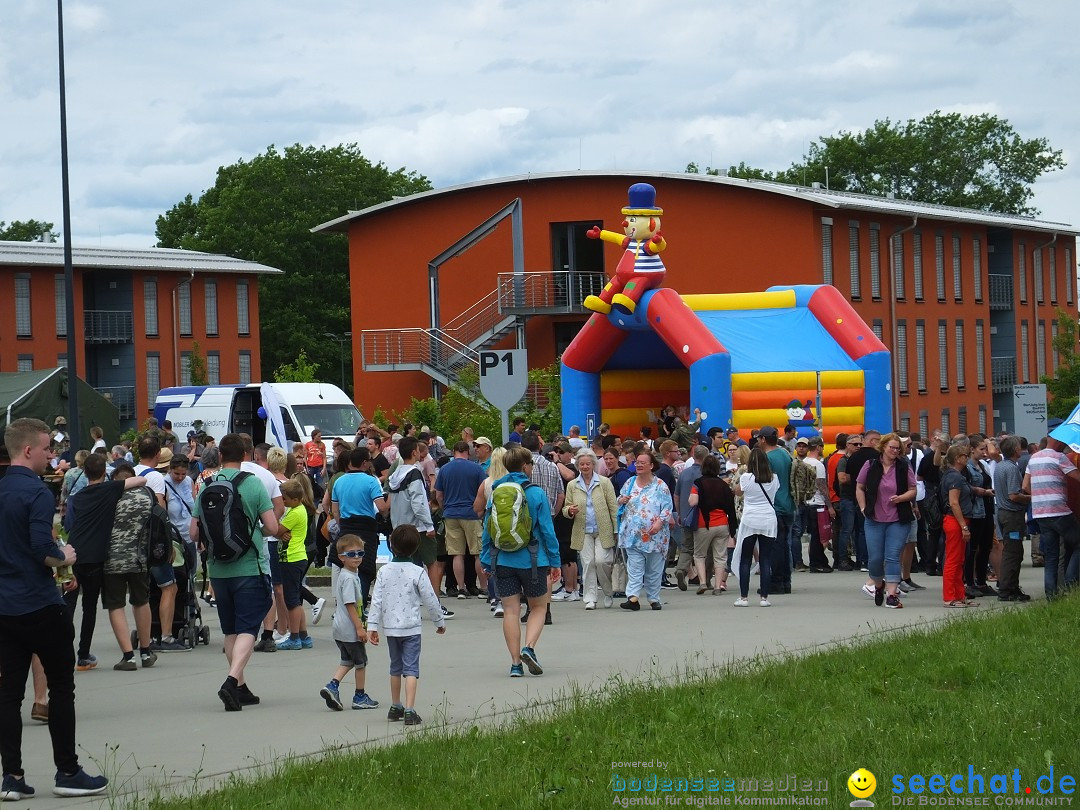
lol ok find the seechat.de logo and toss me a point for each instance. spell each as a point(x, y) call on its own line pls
point(862, 785)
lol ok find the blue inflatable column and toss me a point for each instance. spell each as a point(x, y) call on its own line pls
point(580, 397)
point(710, 389)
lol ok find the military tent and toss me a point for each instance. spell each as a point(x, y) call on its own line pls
point(43, 395)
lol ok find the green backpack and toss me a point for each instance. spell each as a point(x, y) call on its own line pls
point(509, 522)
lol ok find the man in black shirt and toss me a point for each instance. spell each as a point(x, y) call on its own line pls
point(89, 523)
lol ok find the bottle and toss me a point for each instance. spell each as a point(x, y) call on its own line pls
point(64, 574)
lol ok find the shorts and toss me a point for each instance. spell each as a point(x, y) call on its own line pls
point(275, 563)
point(567, 555)
point(114, 587)
point(521, 581)
point(440, 548)
point(163, 575)
point(292, 580)
point(427, 553)
point(462, 534)
point(242, 603)
point(353, 653)
point(404, 655)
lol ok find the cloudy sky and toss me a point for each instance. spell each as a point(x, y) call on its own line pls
point(161, 94)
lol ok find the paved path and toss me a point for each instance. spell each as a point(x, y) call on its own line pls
point(166, 727)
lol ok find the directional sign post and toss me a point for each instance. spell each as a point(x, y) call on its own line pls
point(1029, 408)
point(504, 376)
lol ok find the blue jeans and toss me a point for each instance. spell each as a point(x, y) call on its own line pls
point(884, 543)
point(797, 528)
point(1059, 535)
point(781, 556)
point(845, 542)
point(647, 569)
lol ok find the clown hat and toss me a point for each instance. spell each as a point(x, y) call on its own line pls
point(641, 201)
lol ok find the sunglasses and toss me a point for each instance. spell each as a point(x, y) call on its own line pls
point(854, 444)
point(352, 555)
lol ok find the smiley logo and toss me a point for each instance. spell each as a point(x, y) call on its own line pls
point(862, 783)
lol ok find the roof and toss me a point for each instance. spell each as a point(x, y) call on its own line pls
point(51, 254)
point(818, 196)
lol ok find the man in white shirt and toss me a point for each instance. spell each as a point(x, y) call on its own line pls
point(917, 537)
point(820, 502)
point(270, 559)
point(150, 456)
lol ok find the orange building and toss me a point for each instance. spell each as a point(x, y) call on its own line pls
point(965, 300)
point(140, 313)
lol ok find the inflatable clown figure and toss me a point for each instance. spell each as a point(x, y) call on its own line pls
point(640, 268)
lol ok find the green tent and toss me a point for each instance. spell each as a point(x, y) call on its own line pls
point(44, 395)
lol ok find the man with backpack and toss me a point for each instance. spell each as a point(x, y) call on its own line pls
point(521, 551)
point(803, 488)
point(225, 522)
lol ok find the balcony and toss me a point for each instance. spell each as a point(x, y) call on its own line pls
point(1002, 374)
point(547, 293)
point(1001, 292)
point(123, 397)
point(108, 326)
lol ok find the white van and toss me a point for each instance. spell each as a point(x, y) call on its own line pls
point(295, 410)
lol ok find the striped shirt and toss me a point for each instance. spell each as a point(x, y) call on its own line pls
point(1048, 469)
point(644, 262)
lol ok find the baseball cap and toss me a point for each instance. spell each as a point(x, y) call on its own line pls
point(564, 447)
point(191, 434)
point(802, 440)
point(482, 440)
point(816, 441)
point(769, 433)
point(59, 421)
point(732, 429)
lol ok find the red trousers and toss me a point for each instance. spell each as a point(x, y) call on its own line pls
point(952, 574)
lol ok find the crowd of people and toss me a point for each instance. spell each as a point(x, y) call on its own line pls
point(596, 520)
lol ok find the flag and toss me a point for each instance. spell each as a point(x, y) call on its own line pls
point(275, 428)
point(1069, 430)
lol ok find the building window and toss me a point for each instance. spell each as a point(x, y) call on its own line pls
point(25, 362)
point(243, 311)
point(153, 378)
point(943, 355)
point(183, 297)
point(1024, 365)
point(982, 419)
point(1040, 350)
point(976, 266)
point(945, 427)
point(924, 425)
point(980, 363)
point(961, 382)
point(185, 368)
point(210, 294)
point(245, 368)
point(1036, 264)
point(1053, 275)
point(878, 329)
point(61, 361)
point(826, 251)
point(875, 261)
point(853, 260)
point(898, 266)
point(939, 265)
point(901, 357)
point(1023, 273)
point(961, 419)
point(22, 305)
point(213, 368)
point(1070, 274)
point(1053, 346)
point(920, 356)
point(905, 421)
point(916, 264)
point(957, 270)
point(60, 298)
point(150, 312)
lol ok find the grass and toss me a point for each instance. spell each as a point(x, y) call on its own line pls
point(997, 692)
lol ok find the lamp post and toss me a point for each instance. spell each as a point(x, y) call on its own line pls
point(74, 429)
point(341, 340)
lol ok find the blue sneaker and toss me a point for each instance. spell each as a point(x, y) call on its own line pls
point(364, 701)
point(529, 657)
point(15, 788)
point(290, 644)
point(79, 783)
point(330, 694)
point(307, 642)
point(517, 671)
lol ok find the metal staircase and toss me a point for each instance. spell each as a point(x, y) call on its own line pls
point(444, 353)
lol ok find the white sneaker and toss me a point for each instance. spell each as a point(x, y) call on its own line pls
point(740, 602)
point(766, 603)
point(316, 610)
point(608, 601)
point(573, 596)
point(560, 596)
point(590, 605)
point(498, 611)
point(280, 637)
point(868, 591)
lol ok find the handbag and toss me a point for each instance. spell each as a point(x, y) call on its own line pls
point(824, 526)
point(618, 571)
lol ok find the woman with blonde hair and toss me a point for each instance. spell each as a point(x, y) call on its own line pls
point(590, 503)
point(496, 470)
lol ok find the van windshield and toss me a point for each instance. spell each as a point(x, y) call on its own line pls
point(332, 420)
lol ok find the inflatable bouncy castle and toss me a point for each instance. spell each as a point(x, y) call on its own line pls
point(743, 359)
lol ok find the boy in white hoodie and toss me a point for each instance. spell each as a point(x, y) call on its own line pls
point(401, 590)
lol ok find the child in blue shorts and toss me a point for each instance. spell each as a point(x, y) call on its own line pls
point(402, 588)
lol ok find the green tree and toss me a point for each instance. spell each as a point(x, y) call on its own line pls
point(262, 210)
point(1063, 388)
point(197, 366)
point(29, 231)
point(970, 161)
point(300, 369)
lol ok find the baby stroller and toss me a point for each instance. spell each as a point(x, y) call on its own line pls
point(188, 627)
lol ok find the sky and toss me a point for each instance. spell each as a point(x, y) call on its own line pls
point(159, 95)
